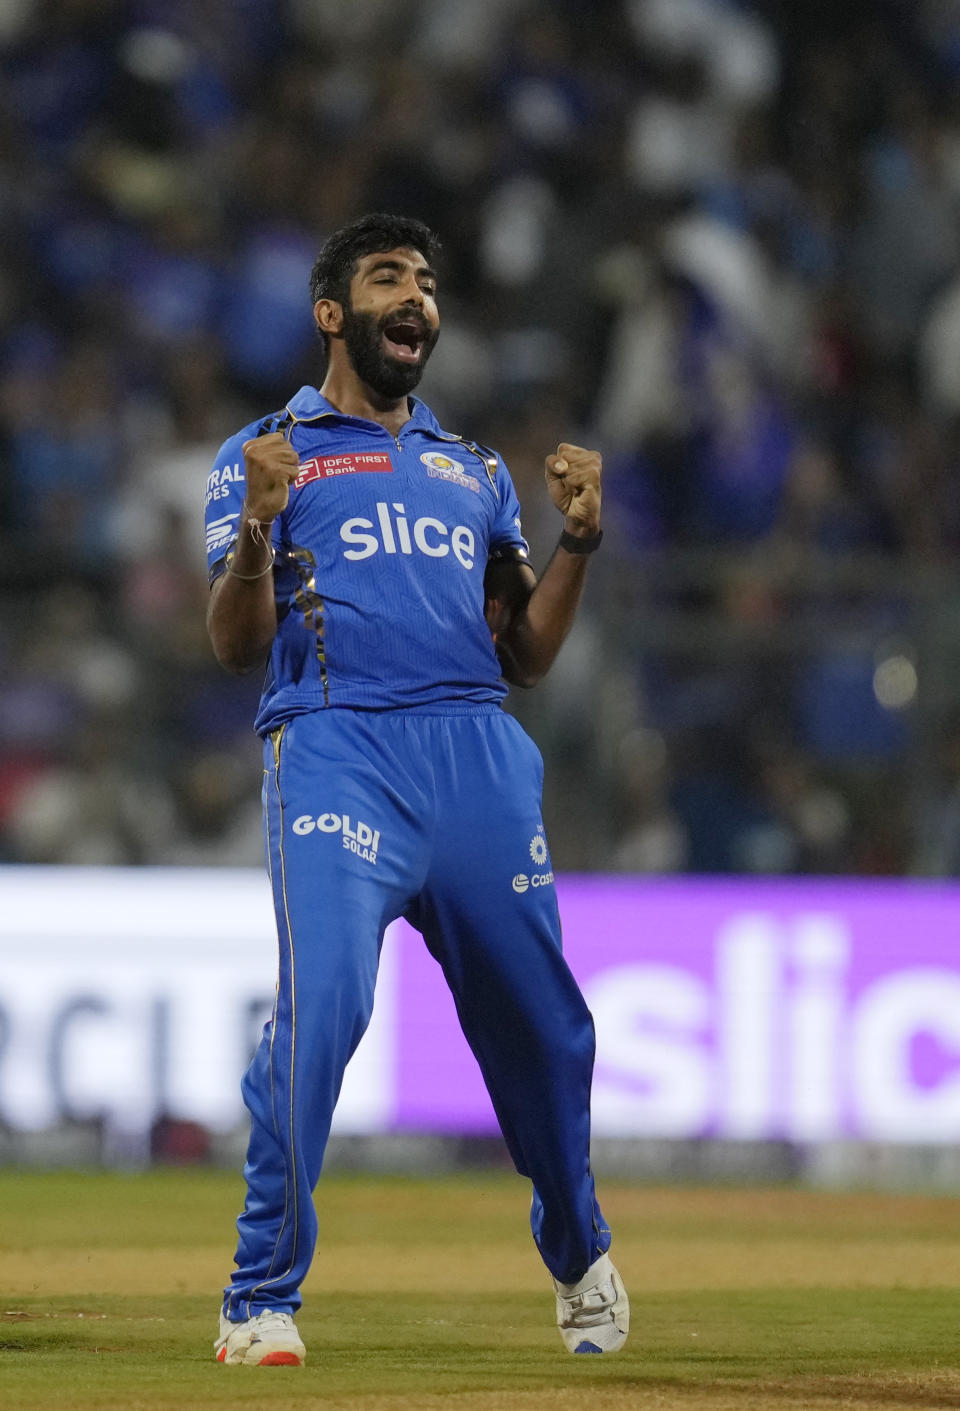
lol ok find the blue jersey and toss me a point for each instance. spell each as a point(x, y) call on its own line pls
point(381, 555)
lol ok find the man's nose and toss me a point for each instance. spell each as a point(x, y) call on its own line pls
point(412, 293)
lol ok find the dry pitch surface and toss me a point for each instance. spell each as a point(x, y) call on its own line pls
point(428, 1294)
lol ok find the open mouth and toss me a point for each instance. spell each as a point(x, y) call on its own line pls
point(404, 340)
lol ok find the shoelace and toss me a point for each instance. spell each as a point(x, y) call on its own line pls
point(589, 1309)
point(272, 1323)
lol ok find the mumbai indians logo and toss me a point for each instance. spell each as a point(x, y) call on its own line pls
point(441, 467)
point(538, 856)
point(362, 839)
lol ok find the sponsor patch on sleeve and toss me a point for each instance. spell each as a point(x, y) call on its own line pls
point(221, 532)
point(326, 467)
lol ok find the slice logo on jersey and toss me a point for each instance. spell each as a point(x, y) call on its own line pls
point(221, 480)
point(357, 837)
point(441, 467)
point(394, 534)
point(328, 467)
point(221, 532)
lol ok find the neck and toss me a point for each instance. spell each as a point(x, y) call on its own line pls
point(345, 391)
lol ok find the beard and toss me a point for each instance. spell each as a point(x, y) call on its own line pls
point(362, 337)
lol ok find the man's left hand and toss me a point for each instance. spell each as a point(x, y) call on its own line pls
point(573, 480)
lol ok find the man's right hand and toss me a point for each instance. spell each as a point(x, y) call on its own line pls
point(271, 465)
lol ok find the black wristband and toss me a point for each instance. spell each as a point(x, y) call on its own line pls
point(575, 545)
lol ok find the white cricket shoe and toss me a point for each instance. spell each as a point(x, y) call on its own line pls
point(593, 1315)
point(269, 1340)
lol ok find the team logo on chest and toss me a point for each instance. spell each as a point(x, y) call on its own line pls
point(441, 467)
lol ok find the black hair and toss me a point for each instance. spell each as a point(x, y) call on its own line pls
point(370, 235)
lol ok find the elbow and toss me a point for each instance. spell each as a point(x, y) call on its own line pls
point(519, 670)
point(238, 666)
point(524, 680)
point(525, 655)
point(239, 648)
point(234, 665)
point(236, 658)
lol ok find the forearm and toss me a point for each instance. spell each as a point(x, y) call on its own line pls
point(241, 615)
point(530, 645)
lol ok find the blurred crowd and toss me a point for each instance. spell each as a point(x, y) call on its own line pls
point(719, 240)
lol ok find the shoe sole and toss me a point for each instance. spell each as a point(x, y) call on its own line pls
point(271, 1359)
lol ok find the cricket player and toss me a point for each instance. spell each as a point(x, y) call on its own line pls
point(376, 564)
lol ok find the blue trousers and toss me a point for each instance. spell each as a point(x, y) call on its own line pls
point(372, 816)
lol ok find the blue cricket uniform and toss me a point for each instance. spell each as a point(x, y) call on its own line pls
point(395, 785)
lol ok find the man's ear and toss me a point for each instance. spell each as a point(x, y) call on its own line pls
point(329, 316)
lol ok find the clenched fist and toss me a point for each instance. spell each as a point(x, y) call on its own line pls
point(272, 464)
point(573, 480)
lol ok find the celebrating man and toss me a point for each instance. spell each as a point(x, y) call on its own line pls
point(376, 563)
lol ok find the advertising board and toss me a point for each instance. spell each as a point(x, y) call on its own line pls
point(803, 1011)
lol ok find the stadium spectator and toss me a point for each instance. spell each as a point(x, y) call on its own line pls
point(751, 211)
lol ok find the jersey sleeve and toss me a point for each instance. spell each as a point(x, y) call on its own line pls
point(226, 490)
point(223, 501)
point(506, 535)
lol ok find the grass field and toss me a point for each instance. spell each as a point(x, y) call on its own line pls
point(429, 1294)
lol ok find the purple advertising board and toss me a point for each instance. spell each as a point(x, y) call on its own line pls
point(803, 1011)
